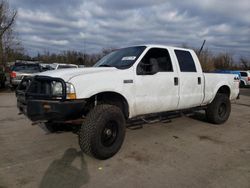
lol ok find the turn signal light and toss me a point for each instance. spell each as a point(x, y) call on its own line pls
point(71, 96)
point(248, 78)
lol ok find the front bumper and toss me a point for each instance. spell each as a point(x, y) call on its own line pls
point(50, 110)
point(15, 82)
point(35, 99)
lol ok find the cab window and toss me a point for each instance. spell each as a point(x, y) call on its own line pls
point(155, 60)
point(185, 60)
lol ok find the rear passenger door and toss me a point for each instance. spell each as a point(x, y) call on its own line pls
point(191, 80)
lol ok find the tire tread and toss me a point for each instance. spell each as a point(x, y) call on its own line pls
point(211, 111)
point(89, 126)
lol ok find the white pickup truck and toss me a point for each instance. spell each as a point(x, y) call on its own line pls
point(126, 84)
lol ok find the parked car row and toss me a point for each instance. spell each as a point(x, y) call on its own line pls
point(243, 75)
point(19, 70)
point(28, 68)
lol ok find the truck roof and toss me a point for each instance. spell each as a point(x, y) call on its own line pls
point(162, 46)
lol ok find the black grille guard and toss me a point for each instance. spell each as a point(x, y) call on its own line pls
point(32, 88)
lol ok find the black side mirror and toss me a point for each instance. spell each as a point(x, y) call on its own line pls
point(154, 65)
point(149, 68)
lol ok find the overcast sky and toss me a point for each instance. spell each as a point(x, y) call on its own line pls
point(58, 25)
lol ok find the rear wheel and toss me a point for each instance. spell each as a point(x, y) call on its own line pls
point(103, 132)
point(219, 110)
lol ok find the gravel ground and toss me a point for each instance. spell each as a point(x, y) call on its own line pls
point(186, 152)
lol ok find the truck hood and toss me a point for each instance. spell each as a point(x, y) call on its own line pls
point(67, 74)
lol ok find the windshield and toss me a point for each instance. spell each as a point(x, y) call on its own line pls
point(26, 68)
point(121, 59)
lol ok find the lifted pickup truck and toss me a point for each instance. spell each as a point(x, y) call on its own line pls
point(126, 84)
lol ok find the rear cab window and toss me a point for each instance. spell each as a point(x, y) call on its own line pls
point(185, 60)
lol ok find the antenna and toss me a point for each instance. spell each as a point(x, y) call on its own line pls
point(202, 47)
point(84, 51)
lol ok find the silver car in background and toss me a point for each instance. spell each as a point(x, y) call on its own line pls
point(21, 69)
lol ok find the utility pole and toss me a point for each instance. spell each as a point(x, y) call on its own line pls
point(84, 51)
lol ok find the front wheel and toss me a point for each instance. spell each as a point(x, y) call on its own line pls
point(103, 132)
point(219, 110)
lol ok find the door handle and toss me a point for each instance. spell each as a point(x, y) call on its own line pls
point(199, 80)
point(176, 81)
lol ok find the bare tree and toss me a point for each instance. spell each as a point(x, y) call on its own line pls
point(223, 61)
point(244, 63)
point(206, 59)
point(7, 20)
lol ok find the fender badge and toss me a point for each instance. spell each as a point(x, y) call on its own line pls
point(128, 81)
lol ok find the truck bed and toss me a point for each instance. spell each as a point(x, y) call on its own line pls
point(214, 81)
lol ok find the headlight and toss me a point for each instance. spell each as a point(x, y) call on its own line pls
point(70, 90)
point(56, 88)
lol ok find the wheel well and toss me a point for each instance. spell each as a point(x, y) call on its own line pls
point(224, 90)
point(112, 98)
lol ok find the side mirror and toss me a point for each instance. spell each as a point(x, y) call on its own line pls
point(154, 65)
point(149, 68)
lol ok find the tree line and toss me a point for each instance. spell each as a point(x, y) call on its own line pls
point(222, 61)
point(209, 61)
point(11, 50)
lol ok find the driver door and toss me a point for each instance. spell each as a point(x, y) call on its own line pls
point(156, 86)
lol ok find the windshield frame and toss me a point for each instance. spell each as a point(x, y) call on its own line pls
point(103, 62)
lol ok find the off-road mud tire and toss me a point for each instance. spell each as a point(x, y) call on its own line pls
point(219, 110)
point(93, 139)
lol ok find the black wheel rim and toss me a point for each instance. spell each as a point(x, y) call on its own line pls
point(222, 110)
point(109, 133)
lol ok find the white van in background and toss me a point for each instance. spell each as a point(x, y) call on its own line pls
point(56, 66)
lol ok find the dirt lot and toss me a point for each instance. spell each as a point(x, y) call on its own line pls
point(187, 152)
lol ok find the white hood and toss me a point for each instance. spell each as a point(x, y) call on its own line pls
point(67, 74)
